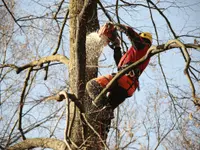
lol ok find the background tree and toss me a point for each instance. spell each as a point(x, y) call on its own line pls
point(169, 109)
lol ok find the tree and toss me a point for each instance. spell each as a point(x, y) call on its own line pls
point(85, 126)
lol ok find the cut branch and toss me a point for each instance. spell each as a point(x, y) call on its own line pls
point(105, 12)
point(64, 95)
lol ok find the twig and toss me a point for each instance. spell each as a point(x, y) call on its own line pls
point(133, 4)
point(58, 43)
point(105, 12)
point(59, 7)
point(118, 21)
point(61, 33)
point(66, 142)
point(11, 14)
point(162, 14)
point(57, 123)
point(166, 134)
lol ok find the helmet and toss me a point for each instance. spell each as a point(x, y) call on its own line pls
point(146, 35)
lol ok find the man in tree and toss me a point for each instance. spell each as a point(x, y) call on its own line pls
point(128, 83)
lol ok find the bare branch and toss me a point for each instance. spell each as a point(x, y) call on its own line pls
point(11, 13)
point(151, 52)
point(59, 7)
point(61, 32)
point(21, 104)
point(40, 62)
point(65, 95)
point(39, 142)
point(59, 40)
point(166, 19)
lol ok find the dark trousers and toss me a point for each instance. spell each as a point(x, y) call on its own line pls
point(117, 96)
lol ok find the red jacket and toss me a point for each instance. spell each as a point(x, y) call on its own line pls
point(138, 49)
point(132, 56)
point(136, 52)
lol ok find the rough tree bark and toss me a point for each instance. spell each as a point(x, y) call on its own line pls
point(86, 127)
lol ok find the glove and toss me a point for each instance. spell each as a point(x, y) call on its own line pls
point(122, 28)
point(108, 30)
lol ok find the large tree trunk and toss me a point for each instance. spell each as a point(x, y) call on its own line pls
point(75, 130)
point(90, 126)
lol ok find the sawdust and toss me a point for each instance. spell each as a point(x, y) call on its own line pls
point(94, 48)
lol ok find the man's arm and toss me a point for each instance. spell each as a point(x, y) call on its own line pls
point(117, 55)
point(133, 36)
point(109, 31)
point(117, 52)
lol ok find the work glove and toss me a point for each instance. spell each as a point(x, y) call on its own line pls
point(109, 31)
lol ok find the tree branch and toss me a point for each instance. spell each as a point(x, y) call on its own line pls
point(11, 14)
point(151, 52)
point(65, 95)
point(40, 62)
point(39, 142)
point(21, 104)
point(105, 12)
point(59, 40)
point(59, 7)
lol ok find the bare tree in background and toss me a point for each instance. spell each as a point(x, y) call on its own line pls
point(39, 63)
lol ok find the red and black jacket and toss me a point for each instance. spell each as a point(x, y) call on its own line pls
point(138, 49)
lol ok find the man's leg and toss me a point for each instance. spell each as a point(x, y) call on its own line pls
point(117, 96)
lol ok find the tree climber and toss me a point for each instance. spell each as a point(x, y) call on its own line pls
point(128, 83)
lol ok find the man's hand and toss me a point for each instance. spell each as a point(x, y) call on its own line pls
point(108, 30)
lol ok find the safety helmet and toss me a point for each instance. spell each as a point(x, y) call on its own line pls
point(146, 35)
